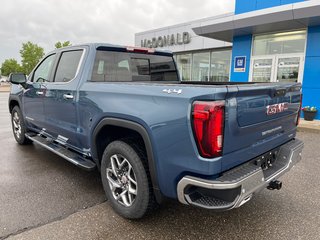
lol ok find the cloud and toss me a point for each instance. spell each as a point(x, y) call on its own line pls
point(113, 21)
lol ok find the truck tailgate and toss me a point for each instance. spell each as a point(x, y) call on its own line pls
point(259, 114)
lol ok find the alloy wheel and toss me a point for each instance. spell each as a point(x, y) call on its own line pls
point(16, 125)
point(122, 180)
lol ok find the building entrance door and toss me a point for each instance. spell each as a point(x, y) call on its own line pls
point(277, 68)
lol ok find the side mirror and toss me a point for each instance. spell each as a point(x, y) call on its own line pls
point(18, 78)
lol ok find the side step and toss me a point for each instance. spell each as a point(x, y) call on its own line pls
point(70, 156)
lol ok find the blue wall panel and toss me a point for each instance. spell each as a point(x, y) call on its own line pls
point(267, 4)
point(241, 47)
point(243, 6)
point(313, 45)
point(283, 2)
point(311, 77)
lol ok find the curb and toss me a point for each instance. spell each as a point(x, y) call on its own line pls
point(309, 126)
point(308, 129)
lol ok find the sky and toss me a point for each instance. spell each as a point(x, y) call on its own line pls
point(45, 22)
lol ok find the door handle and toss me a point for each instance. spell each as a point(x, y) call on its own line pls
point(67, 96)
point(39, 92)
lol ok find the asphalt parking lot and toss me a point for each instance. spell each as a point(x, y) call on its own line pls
point(44, 197)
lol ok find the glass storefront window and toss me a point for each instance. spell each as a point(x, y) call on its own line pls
point(279, 43)
point(288, 69)
point(204, 66)
point(200, 66)
point(220, 66)
point(184, 66)
point(278, 57)
point(262, 70)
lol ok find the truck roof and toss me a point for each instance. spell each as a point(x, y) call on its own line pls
point(107, 45)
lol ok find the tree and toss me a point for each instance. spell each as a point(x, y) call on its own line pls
point(10, 66)
point(31, 54)
point(62, 44)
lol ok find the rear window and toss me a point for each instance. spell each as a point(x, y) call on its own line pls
point(110, 66)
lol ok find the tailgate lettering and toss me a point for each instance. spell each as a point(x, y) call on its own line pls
point(277, 108)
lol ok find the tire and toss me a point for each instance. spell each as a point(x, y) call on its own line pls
point(126, 180)
point(18, 126)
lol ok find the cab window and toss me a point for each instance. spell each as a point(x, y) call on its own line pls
point(68, 66)
point(110, 66)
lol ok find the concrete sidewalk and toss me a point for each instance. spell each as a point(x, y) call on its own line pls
point(309, 126)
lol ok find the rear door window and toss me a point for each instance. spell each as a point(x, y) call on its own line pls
point(68, 66)
point(124, 67)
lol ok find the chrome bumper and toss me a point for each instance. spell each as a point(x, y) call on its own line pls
point(239, 183)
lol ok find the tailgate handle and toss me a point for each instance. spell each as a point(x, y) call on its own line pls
point(279, 92)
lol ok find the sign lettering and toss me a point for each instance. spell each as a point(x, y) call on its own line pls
point(166, 41)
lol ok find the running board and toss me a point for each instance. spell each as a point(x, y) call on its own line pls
point(70, 156)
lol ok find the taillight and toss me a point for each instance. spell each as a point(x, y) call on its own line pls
point(208, 126)
point(299, 112)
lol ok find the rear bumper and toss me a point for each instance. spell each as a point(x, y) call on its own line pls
point(237, 186)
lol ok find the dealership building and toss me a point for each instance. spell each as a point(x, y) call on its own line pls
point(262, 41)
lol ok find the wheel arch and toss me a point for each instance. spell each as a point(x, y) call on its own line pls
point(12, 104)
point(131, 127)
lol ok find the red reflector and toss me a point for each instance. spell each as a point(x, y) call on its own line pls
point(208, 125)
point(299, 112)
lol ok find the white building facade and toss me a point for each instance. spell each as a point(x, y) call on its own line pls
point(198, 58)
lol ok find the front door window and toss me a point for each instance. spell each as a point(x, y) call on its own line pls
point(42, 73)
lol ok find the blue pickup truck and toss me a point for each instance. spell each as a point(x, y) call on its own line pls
point(124, 111)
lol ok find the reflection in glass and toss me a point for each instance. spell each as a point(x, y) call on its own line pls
point(200, 66)
point(41, 74)
point(288, 69)
point(204, 66)
point(279, 43)
point(220, 66)
point(262, 69)
point(184, 66)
